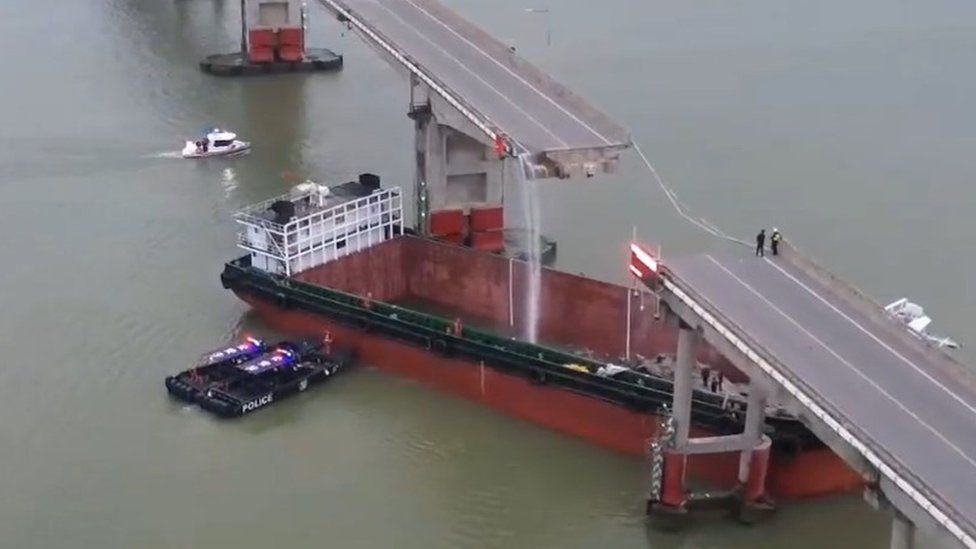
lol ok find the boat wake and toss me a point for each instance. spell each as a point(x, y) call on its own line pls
point(165, 154)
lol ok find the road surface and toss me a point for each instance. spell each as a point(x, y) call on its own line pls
point(517, 98)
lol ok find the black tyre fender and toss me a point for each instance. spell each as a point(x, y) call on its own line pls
point(281, 299)
point(441, 346)
point(539, 376)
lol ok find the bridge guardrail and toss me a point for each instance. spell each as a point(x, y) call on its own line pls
point(885, 463)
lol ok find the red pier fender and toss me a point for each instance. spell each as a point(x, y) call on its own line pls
point(755, 486)
point(673, 492)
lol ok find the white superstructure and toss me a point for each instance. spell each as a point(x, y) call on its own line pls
point(217, 142)
point(314, 224)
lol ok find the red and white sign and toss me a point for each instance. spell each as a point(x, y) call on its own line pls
point(642, 263)
point(501, 145)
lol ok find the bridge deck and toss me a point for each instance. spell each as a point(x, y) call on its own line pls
point(898, 397)
point(513, 95)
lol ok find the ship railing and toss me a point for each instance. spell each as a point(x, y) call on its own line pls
point(325, 235)
point(303, 245)
point(274, 250)
point(273, 243)
point(254, 214)
point(265, 205)
point(259, 221)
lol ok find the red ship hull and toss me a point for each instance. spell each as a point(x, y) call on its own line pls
point(575, 311)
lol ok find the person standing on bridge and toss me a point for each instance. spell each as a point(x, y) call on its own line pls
point(761, 243)
point(774, 241)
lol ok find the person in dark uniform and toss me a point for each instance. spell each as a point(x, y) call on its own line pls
point(774, 241)
point(761, 243)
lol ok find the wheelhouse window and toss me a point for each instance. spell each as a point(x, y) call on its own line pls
point(223, 142)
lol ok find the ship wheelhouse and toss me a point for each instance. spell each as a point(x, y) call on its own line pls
point(314, 224)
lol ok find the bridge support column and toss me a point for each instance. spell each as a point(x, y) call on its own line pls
point(754, 459)
point(684, 370)
point(273, 30)
point(460, 178)
point(272, 41)
point(902, 532)
point(429, 165)
point(670, 499)
point(675, 444)
point(459, 186)
point(755, 417)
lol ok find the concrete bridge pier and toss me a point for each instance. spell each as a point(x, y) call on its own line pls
point(754, 459)
point(272, 41)
point(749, 497)
point(902, 532)
point(684, 370)
point(459, 177)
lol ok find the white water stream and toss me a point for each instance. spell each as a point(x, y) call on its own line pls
point(533, 248)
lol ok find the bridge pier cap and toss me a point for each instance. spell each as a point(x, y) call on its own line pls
point(556, 132)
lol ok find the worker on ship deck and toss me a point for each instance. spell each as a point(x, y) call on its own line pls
point(774, 241)
point(761, 243)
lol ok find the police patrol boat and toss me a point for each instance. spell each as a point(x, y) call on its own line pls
point(216, 142)
point(288, 368)
point(212, 367)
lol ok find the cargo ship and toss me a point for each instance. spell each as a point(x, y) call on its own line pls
point(339, 260)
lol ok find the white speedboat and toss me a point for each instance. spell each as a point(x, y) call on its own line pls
point(217, 142)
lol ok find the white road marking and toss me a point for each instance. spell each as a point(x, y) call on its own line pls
point(887, 347)
point(844, 361)
point(510, 71)
point(468, 69)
